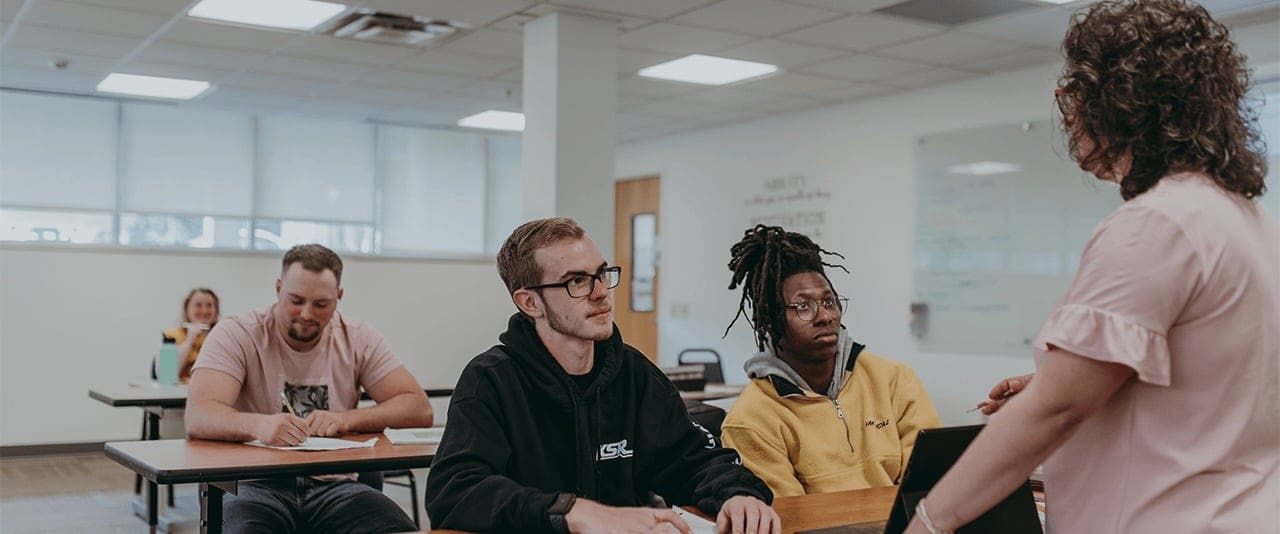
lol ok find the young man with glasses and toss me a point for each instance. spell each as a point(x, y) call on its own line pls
point(821, 414)
point(562, 427)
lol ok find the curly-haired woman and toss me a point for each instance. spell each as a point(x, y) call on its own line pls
point(1157, 398)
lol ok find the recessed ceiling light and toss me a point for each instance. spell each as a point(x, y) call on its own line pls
point(495, 120)
point(287, 14)
point(152, 86)
point(984, 168)
point(708, 70)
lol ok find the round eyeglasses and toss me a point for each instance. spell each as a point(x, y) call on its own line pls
point(807, 310)
point(582, 284)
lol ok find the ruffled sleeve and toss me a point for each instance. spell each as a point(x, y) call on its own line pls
point(1136, 275)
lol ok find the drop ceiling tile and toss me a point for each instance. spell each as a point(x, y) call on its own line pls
point(951, 48)
point(453, 63)
point(335, 49)
point(90, 18)
point(631, 121)
point(185, 72)
point(86, 64)
point(488, 43)
point(312, 69)
point(491, 89)
point(512, 23)
point(728, 97)
point(159, 7)
point(199, 32)
point(273, 83)
point(680, 40)
point(9, 9)
point(931, 77)
point(1017, 60)
point(102, 45)
point(474, 13)
point(631, 61)
point(411, 80)
point(792, 84)
point(757, 17)
point(367, 94)
point(184, 54)
point(1040, 27)
point(848, 6)
point(862, 32)
point(625, 22)
point(649, 88)
point(514, 75)
point(864, 67)
point(653, 9)
point(678, 109)
point(781, 53)
point(790, 104)
point(49, 80)
point(857, 91)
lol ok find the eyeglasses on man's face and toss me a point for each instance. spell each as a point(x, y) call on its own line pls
point(807, 310)
point(582, 284)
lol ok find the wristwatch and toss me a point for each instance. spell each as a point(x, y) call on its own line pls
point(559, 509)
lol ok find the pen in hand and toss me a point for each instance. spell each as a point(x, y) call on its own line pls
point(285, 399)
point(988, 402)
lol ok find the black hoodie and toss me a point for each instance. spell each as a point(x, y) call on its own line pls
point(520, 432)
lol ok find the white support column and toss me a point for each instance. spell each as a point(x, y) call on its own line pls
point(570, 98)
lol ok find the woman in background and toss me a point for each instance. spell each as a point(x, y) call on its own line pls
point(200, 312)
point(1157, 397)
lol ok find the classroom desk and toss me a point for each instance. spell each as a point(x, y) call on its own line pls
point(808, 512)
point(154, 399)
point(219, 465)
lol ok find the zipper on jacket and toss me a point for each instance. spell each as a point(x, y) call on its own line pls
point(840, 414)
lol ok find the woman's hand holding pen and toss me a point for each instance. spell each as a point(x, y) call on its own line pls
point(1002, 392)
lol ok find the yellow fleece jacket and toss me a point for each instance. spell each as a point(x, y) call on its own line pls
point(800, 442)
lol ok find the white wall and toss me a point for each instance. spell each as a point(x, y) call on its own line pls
point(74, 319)
point(863, 153)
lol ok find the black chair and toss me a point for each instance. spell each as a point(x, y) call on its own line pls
point(411, 483)
point(714, 370)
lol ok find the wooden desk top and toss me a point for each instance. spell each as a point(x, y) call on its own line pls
point(157, 396)
point(807, 512)
point(181, 461)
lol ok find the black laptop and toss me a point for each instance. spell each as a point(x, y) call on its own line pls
point(936, 450)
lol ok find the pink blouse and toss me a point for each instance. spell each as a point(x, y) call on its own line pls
point(1182, 284)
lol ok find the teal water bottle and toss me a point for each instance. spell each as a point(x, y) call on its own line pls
point(167, 362)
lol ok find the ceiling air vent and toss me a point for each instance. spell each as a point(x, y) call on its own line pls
point(370, 25)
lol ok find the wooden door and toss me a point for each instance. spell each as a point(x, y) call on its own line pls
point(635, 229)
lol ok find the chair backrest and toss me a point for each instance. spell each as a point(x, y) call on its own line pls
point(709, 359)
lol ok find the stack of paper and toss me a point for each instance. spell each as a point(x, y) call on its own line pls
point(320, 444)
point(402, 436)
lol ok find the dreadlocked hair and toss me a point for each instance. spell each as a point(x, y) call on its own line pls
point(765, 257)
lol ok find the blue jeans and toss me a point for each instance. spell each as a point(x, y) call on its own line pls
point(306, 505)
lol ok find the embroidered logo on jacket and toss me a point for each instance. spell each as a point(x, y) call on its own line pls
point(877, 424)
point(609, 451)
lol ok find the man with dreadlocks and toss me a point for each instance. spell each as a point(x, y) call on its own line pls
point(820, 414)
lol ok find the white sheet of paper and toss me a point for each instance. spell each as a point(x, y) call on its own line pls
point(402, 436)
point(321, 444)
point(696, 524)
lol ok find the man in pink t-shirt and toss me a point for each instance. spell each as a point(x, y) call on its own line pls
point(300, 350)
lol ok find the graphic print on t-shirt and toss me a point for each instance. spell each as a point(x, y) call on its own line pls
point(305, 399)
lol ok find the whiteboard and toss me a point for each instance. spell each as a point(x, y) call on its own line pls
point(1002, 215)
